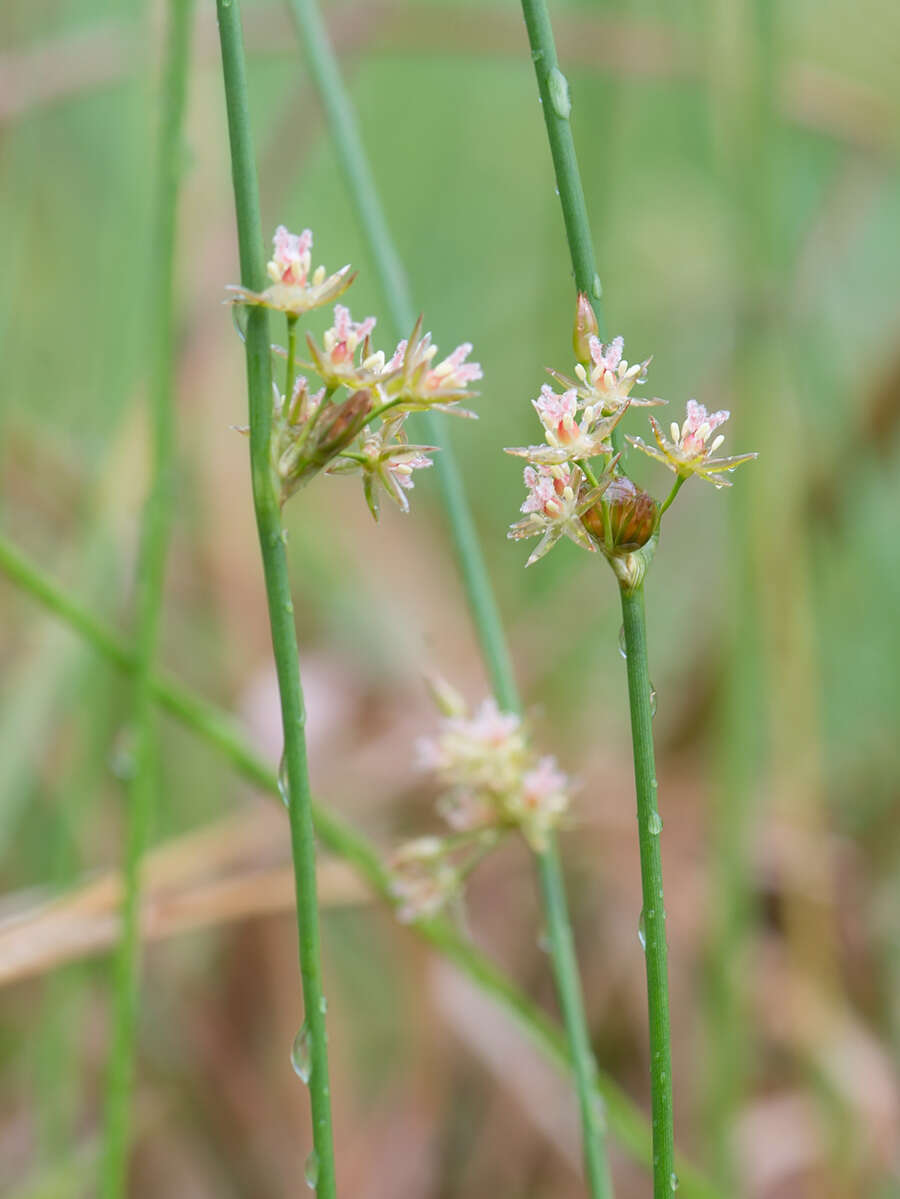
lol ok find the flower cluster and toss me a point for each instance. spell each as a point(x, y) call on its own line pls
point(351, 419)
point(598, 507)
point(492, 781)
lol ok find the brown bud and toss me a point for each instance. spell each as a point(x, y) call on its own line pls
point(586, 327)
point(632, 516)
point(340, 424)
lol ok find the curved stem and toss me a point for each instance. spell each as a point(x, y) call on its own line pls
point(360, 181)
point(150, 581)
point(676, 487)
point(278, 592)
point(653, 915)
point(219, 731)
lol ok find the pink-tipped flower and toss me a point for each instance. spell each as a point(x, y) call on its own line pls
point(567, 438)
point(290, 257)
point(557, 500)
point(345, 358)
point(385, 464)
point(416, 382)
point(689, 451)
point(477, 753)
point(541, 801)
point(604, 381)
point(495, 779)
point(294, 290)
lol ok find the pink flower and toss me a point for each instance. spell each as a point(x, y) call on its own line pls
point(413, 382)
point(291, 257)
point(687, 452)
point(556, 501)
point(606, 382)
point(454, 374)
point(385, 463)
point(293, 290)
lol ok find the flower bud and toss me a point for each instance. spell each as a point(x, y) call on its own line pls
point(633, 516)
point(586, 327)
point(339, 426)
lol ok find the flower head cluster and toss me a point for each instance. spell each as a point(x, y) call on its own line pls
point(599, 507)
point(293, 289)
point(690, 452)
point(492, 782)
point(351, 421)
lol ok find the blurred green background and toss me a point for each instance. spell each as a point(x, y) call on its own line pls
point(741, 164)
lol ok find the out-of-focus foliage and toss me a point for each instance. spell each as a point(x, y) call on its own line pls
point(743, 183)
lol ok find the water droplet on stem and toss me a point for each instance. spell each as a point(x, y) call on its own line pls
point(311, 1170)
point(301, 1054)
point(654, 823)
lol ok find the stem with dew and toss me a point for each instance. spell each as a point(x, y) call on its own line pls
point(267, 507)
point(325, 72)
point(654, 916)
point(150, 581)
point(219, 731)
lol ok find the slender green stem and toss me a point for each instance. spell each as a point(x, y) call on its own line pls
point(363, 192)
point(218, 730)
point(557, 105)
point(654, 914)
point(568, 986)
point(361, 185)
point(278, 592)
point(150, 580)
point(676, 487)
point(291, 356)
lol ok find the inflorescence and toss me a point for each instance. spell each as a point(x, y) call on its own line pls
point(576, 485)
point(351, 419)
point(492, 782)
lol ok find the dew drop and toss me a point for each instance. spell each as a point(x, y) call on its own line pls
point(622, 650)
point(301, 1058)
point(642, 931)
point(652, 700)
point(311, 1170)
point(323, 1004)
point(673, 1182)
point(544, 941)
point(654, 823)
point(559, 93)
point(597, 288)
point(284, 786)
point(289, 607)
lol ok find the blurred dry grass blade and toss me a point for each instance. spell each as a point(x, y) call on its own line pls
point(219, 875)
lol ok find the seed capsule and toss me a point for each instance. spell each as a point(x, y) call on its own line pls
point(632, 517)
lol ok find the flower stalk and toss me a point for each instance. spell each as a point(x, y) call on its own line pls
point(361, 185)
point(216, 729)
point(267, 504)
point(653, 916)
point(149, 588)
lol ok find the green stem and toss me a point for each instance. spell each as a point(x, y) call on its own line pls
point(568, 986)
point(218, 730)
point(361, 185)
point(150, 580)
point(289, 365)
point(676, 487)
point(278, 591)
point(557, 105)
point(654, 915)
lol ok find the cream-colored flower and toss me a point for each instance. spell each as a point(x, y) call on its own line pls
point(687, 452)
